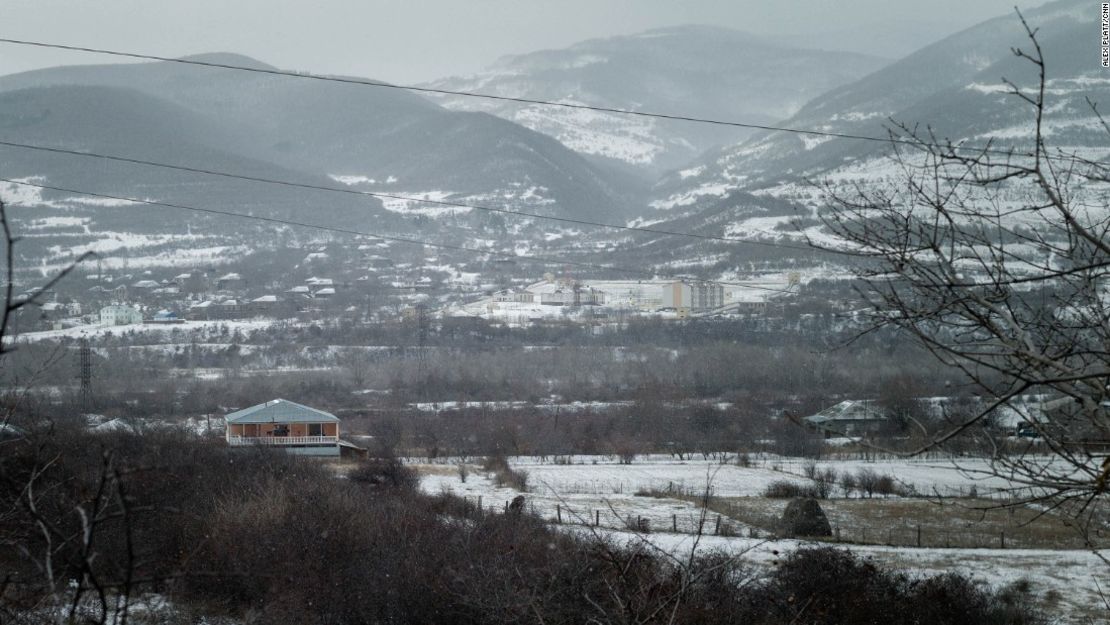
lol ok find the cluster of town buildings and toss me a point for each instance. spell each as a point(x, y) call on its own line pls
point(681, 297)
point(368, 283)
point(342, 282)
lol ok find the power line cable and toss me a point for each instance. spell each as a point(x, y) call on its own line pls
point(519, 100)
point(349, 231)
point(393, 196)
point(358, 81)
point(469, 94)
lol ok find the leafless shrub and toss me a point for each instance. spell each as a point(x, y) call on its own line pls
point(809, 469)
point(385, 473)
point(785, 489)
point(848, 483)
point(505, 475)
point(824, 482)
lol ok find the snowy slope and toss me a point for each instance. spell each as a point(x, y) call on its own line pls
point(953, 86)
point(689, 70)
point(967, 102)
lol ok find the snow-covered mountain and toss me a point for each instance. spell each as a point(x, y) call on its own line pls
point(698, 71)
point(953, 86)
point(762, 189)
point(373, 138)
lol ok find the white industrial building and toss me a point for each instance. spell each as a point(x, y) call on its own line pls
point(119, 315)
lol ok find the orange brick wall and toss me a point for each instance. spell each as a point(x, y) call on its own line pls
point(265, 429)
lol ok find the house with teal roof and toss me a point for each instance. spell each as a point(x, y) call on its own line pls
point(280, 423)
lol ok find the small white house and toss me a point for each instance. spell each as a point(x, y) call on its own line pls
point(520, 297)
point(119, 315)
point(229, 281)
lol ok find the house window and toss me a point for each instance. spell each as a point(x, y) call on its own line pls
point(315, 429)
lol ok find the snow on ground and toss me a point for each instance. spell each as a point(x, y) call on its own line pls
point(556, 476)
point(633, 140)
point(17, 194)
point(924, 475)
point(355, 180)
point(608, 510)
point(100, 202)
point(46, 223)
point(686, 198)
point(96, 330)
point(187, 257)
point(691, 172)
point(601, 485)
point(1074, 576)
point(114, 241)
point(659, 473)
point(759, 227)
point(416, 203)
point(574, 406)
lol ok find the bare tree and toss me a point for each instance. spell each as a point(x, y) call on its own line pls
point(12, 303)
point(108, 502)
point(996, 260)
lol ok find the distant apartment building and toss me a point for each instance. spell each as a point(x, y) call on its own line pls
point(699, 296)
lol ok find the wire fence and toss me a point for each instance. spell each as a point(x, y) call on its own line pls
point(731, 519)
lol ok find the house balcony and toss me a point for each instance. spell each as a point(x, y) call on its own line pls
point(281, 441)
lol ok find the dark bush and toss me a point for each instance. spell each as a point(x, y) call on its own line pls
point(827, 586)
point(785, 489)
point(255, 536)
point(504, 475)
point(385, 473)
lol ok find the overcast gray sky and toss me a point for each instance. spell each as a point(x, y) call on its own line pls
point(414, 40)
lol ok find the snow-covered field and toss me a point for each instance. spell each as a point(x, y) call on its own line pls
point(585, 489)
point(97, 330)
point(1075, 579)
point(730, 480)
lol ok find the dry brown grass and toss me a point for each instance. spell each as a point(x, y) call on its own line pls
point(897, 521)
point(440, 469)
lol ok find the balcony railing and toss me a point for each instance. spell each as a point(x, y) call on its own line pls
point(239, 441)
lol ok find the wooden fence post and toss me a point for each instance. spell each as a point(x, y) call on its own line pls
point(674, 523)
point(597, 518)
point(1002, 539)
point(717, 526)
point(558, 514)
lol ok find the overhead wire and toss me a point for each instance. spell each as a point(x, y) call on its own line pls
point(418, 89)
point(889, 139)
point(448, 203)
point(392, 196)
point(390, 237)
point(369, 83)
